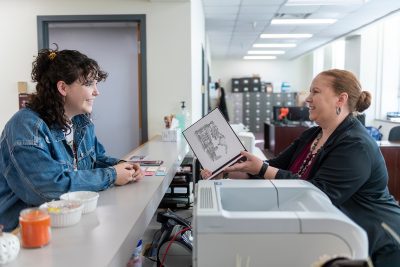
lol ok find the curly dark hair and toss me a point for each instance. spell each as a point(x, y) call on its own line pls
point(51, 66)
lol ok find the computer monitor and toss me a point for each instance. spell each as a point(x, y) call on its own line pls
point(276, 111)
point(295, 113)
point(298, 114)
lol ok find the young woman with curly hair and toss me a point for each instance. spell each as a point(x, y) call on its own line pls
point(50, 147)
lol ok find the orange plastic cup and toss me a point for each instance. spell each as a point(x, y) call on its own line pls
point(34, 228)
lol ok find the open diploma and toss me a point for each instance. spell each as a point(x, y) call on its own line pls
point(214, 142)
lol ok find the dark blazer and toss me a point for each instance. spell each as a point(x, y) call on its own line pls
point(351, 170)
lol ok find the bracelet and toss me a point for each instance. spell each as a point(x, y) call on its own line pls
point(263, 169)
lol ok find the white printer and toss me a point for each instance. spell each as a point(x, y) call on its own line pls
point(270, 223)
point(247, 138)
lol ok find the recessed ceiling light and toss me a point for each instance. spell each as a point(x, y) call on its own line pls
point(286, 35)
point(274, 45)
point(265, 52)
point(302, 21)
point(259, 57)
point(324, 2)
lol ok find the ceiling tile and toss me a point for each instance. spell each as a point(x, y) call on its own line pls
point(298, 9)
point(219, 22)
point(255, 16)
point(327, 15)
point(339, 9)
point(221, 16)
point(221, 10)
point(262, 2)
point(259, 9)
point(221, 2)
point(249, 27)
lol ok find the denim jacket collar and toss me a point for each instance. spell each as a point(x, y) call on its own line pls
point(79, 122)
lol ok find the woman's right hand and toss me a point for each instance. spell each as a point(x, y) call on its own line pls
point(125, 173)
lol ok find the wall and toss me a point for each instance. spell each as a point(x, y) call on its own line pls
point(168, 48)
point(115, 48)
point(297, 72)
point(197, 43)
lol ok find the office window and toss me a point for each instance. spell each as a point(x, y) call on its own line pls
point(390, 86)
point(338, 54)
point(378, 63)
point(329, 57)
point(318, 61)
point(369, 70)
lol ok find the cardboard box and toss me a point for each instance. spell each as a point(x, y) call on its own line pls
point(22, 87)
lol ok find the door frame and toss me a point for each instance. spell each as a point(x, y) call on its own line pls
point(43, 42)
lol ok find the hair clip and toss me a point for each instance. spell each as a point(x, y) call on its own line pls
point(52, 55)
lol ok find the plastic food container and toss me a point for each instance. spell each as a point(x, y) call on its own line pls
point(87, 198)
point(63, 212)
point(34, 228)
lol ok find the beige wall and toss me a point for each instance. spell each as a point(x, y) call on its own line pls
point(168, 28)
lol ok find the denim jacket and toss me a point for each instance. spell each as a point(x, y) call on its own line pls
point(37, 165)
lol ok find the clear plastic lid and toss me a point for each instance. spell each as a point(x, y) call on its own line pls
point(33, 214)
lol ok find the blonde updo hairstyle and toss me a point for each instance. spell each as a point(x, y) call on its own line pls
point(345, 82)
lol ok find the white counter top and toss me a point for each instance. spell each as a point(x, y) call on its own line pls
point(108, 236)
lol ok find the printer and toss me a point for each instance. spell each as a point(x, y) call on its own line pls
point(247, 138)
point(270, 223)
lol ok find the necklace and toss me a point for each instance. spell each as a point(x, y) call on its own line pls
point(310, 156)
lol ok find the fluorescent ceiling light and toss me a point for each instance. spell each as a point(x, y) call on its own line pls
point(302, 21)
point(265, 52)
point(259, 57)
point(274, 45)
point(324, 2)
point(287, 35)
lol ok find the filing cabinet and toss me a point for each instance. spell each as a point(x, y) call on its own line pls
point(238, 106)
point(248, 84)
point(257, 107)
point(236, 88)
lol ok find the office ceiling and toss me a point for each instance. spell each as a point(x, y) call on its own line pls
point(233, 26)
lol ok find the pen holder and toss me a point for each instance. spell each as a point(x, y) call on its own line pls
point(170, 135)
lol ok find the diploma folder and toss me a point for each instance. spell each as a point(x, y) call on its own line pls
point(214, 142)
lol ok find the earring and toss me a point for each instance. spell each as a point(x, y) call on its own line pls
point(338, 110)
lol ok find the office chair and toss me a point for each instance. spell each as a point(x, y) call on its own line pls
point(361, 118)
point(394, 134)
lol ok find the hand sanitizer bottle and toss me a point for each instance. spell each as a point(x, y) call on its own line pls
point(183, 116)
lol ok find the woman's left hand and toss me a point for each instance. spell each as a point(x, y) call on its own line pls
point(206, 174)
point(252, 164)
